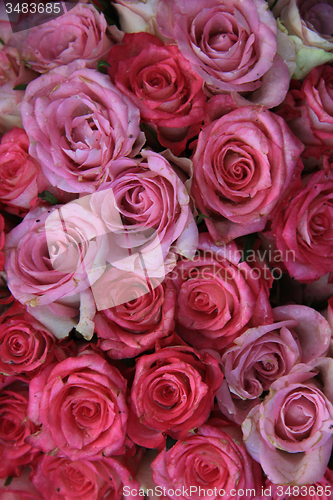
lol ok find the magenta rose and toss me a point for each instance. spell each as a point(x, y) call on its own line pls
point(173, 391)
point(78, 34)
point(143, 313)
point(290, 432)
point(320, 490)
point(81, 407)
point(63, 479)
point(21, 176)
point(211, 458)
point(84, 128)
point(302, 231)
point(244, 165)
point(231, 45)
point(15, 428)
point(163, 86)
point(218, 296)
point(20, 488)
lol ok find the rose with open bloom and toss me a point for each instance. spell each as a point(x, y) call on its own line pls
point(63, 479)
point(231, 45)
point(245, 163)
point(163, 86)
point(80, 404)
point(173, 391)
point(218, 296)
point(211, 458)
point(302, 231)
point(52, 258)
point(80, 126)
point(291, 432)
point(78, 34)
point(15, 428)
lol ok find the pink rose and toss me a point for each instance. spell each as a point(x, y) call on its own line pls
point(15, 428)
point(210, 458)
point(84, 128)
point(231, 45)
point(78, 34)
point(80, 404)
point(290, 432)
point(244, 165)
point(63, 479)
point(320, 490)
point(309, 111)
point(21, 176)
point(163, 86)
point(217, 296)
point(52, 258)
point(25, 345)
point(143, 313)
point(20, 488)
point(2, 242)
point(173, 391)
point(302, 231)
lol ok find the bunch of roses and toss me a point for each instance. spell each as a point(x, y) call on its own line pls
point(166, 251)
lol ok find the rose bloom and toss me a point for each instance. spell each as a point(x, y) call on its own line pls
point(15, 428)
point(20, 488)
point(25, 345)
point(320, 490)
point(162, 85)
point(290, 432)
point(52, 258)
point(146, 210)
point(80, 127)
point(143, 312)
point(231, 45)
point(217, 296)
point(2, 242)
point(63, 479)
point(302, 231)
point(78, 34)
point(81, 405)
point(244, 165)
point(21, 176)
point(136, 16)
point(173, 391)
point(208, 458)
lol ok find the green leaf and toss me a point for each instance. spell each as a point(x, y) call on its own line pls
point(20, 87)
point(170, 442)
point(200, 217)
point(49, 197)
point(249, 241)
point(1, 41)
point(102, 65)
point(8, 481)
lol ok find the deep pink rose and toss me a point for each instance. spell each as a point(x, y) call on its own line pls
point(162, 84)
point(20, 488)
point(290, 432)
point(15, 428)
point(217, 296)
point(320, 490)
point(63, 479)
point(81, 405)
point(208, 458)
point(143, 314)
point(245, 163)
point(302, 231)
point(80, 127)
point(231, 45)
point(309, 111)
point(78, 34)
point(21, 176)
point(173, 391)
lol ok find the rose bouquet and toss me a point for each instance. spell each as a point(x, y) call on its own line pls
point(166, 250)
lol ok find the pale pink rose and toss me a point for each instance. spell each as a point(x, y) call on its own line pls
point(290, 432)
point(244, 165)
point(231, 45)
point(81, 407)
point(212, 458)
point(20, 488)
point(80, 126)
point(136, 16)
point(78, 34)
point(217, 296)
point(63, 479)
